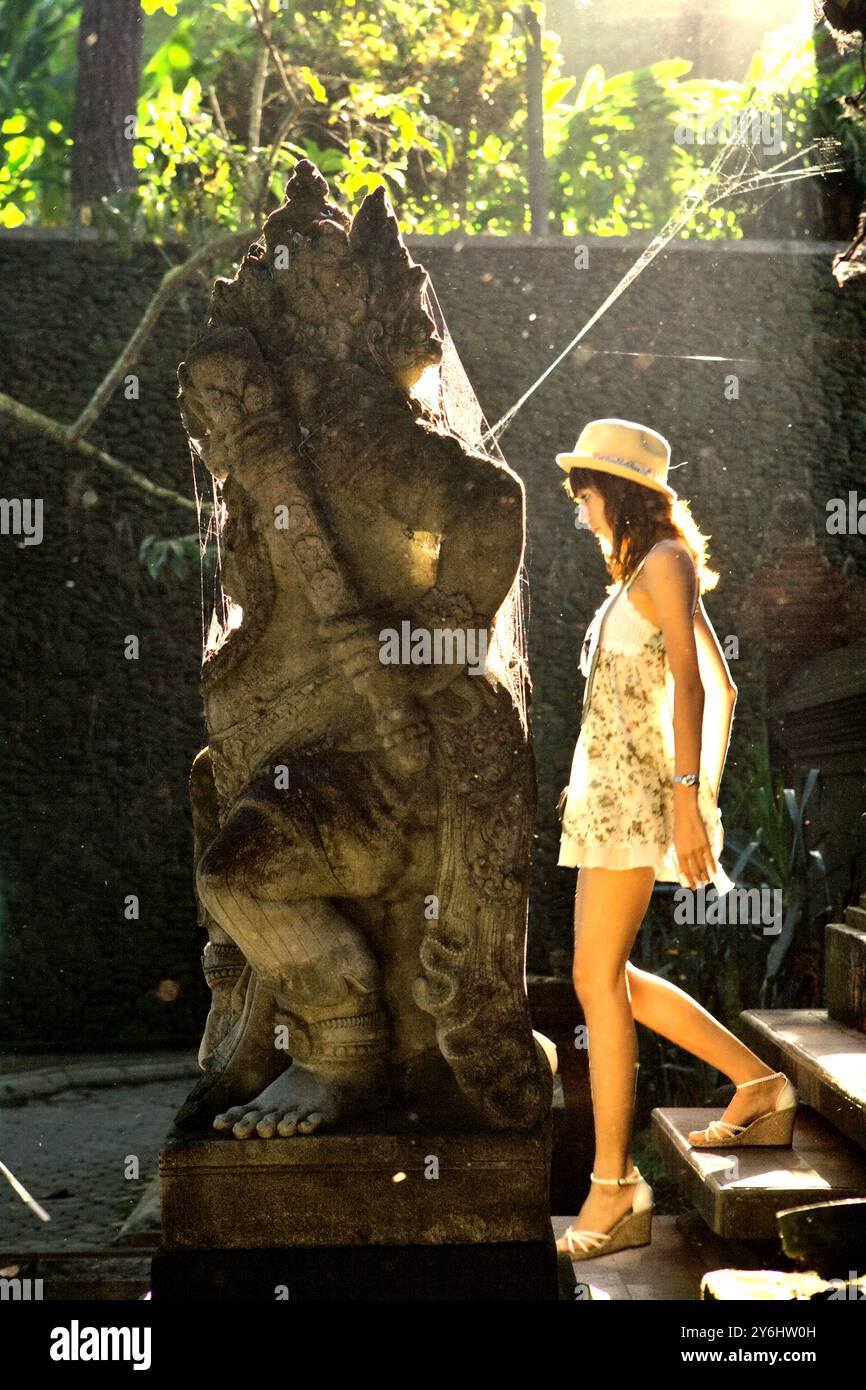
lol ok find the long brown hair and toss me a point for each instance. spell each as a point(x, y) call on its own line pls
point(638, 516)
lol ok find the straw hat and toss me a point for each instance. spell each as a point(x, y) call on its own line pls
point(624, 448)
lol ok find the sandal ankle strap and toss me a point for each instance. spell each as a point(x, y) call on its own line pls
point(774, 1076)
point(618, 1182)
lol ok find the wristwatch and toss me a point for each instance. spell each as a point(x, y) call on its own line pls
point(688, 779)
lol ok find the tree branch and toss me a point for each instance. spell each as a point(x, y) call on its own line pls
point(169, 283)
point(35, 422)
point(265, 34)
point(260, 77)
point(269, 48)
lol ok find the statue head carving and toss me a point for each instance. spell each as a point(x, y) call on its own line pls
point(325, 287)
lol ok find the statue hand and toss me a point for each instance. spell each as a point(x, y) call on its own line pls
point(400, 722)
point(356, 648)
point(405, 736)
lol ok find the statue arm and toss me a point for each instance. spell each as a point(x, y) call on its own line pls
point(229, 404)
point(477, 508)
point(483, 538)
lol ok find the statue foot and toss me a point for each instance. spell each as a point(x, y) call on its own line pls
point(301, 1101)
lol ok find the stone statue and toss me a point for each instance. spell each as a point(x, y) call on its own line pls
point(362, 825)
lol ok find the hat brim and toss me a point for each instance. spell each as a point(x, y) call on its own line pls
point(569, 461)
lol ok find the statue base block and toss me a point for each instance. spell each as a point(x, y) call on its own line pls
point(355, 1189)
point(396, 1215)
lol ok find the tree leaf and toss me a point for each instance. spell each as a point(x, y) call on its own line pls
point(314, 84)
point(556, 92)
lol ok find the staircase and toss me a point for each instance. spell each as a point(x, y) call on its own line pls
point(738, 1192)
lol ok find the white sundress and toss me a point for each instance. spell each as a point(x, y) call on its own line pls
point(618, 807)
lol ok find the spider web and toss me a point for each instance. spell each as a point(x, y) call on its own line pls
point(734, 171)
point(449, 393)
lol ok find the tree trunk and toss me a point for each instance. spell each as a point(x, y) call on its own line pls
point(537, 170)
point(109, 70)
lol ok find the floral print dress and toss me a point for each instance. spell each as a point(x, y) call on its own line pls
point(618, 808)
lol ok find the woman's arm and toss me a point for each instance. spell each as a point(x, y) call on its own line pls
point(721, 696)
point(672, 586)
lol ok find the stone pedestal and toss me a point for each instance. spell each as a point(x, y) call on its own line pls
point(376, 1216)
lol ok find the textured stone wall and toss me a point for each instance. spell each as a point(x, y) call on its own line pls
point(96, 748)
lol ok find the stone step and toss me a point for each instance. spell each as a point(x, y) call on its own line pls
point(845, 972)
point(767, 1285)
point(825, 1060)
point(352, 1189)
point(856, 917)
point(828, 1237)
point(739, 1191)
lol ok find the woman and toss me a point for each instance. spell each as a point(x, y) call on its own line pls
point(641, 807)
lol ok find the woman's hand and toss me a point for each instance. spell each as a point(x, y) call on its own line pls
point(691, 841)
point(714, 792)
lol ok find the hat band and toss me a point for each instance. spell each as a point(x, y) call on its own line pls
point(627, 463)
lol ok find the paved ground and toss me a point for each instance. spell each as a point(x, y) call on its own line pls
point(45, 1061)
point(71, 1150)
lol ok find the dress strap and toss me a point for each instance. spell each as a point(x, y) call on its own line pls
point(640, 566)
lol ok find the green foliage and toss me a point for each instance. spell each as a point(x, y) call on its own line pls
point(613, 155)
point(177, 556)
point(776, 851)
point(800, 75)
point(429, 101)
point(37, 89)
point(424, 98)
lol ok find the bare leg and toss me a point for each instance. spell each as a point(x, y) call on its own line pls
point(668, 1010)
point(609, 906)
